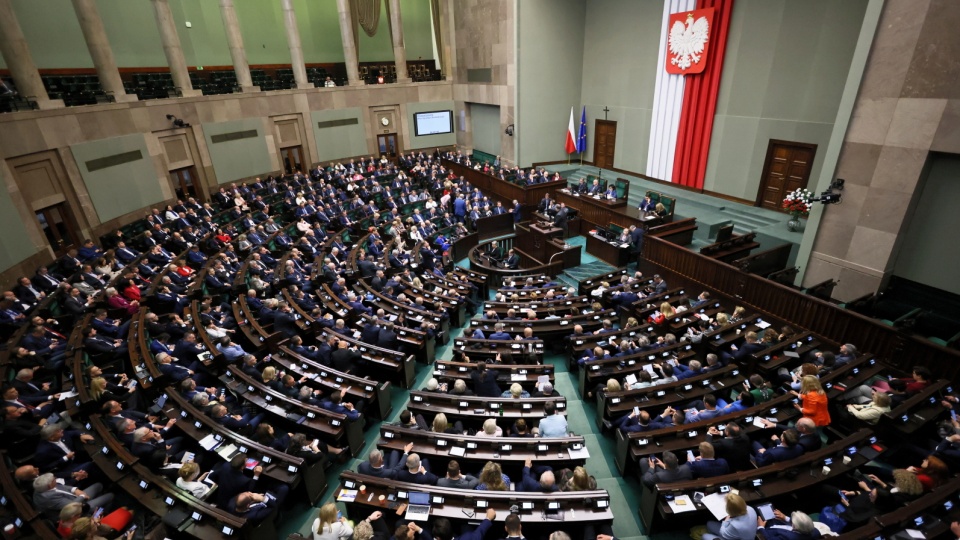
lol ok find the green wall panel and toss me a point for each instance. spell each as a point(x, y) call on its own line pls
point(549, 66)
point(485, 120)
point(239, 158)
point(429, 141)
point(340, 141)
point(119, 189)
point(53, 33)
point(930, 252)
point(784, 73)
point(379, 47)
point(205, 43)
point(620, 46)
point(15, 245)
point(319, 25)
point(417, 29)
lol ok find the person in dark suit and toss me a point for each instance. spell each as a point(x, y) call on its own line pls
point(346, 359)
point(787, 449)
point(427, 256)
point(413, 470)
point(285, 321)
point(742, 354)
point(46, 281)
point(256, 507)
point(647, 205)
point(654, 470)
point(658, 286)
point(494, 251)
point(368, 267)
point(513, 260)
point(485, 381)
point(529, 482)
point(57, 450)
point(706, 465)
point(733, 445)
point(387, 337)
point(374, 466)
point(95, 344)
point(230, 479)
point(560, 220)
point(636, 238)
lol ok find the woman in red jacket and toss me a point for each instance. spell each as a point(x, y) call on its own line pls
point(813, 400)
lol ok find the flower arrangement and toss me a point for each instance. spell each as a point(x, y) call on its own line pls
point(798, 202)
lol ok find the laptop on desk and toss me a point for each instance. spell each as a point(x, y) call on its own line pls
point(418, 508)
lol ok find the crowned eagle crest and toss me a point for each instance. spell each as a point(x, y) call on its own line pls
point(687, 41)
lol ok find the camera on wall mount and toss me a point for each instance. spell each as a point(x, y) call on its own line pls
point(830, 196)
point(177, 122)
point(509, 130)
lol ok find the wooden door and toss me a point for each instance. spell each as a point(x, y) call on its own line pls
point(787, 168)
point(59, 227)
point(185, 183)
point(387, 144)
point(604, 143)
point(292, 158)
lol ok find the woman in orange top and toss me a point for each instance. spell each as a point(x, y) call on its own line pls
point(814, 401)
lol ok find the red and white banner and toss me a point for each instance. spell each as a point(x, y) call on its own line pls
point(689, 41)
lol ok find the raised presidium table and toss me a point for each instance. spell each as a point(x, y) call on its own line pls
point(609, 251)
point(540, 253)
point(600, 212)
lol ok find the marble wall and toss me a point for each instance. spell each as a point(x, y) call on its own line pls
point(908, 106)
point(484, 34)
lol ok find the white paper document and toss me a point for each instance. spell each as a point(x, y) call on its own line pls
point(683, 503)
point(717, 504)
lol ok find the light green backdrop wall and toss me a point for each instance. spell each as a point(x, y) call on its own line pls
point(783, 75)
point(429, 141)
point(620, 49)
point(340, 141)
point(15, 245)
point(122, 188)
point(485, 120)
point(240, 158)
point(55, 39)
point(930, 253)
point(549, 68)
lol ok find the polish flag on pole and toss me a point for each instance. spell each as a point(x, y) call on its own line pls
point(571, 144)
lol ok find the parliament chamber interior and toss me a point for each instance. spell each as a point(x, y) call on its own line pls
point(485, 269)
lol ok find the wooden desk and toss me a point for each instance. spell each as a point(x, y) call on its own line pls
point(460, 504)
point(612, 253)
point(595, 213)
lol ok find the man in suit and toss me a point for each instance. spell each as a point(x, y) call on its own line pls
point(731, 444)
point(387, 337)
point(367, 266)
point(110, 348)
point(658, 286)
point(374, 466)
point(336, 404)
point(45, 281)
point(27, 293)
point(230, 479)
point(595, 188)
point(499, 333)
point(786, 448)
point(173, 371)
point(248, 422)
point(57, 450)
point(706, 465)
point(413, 470)
point(513, 260)
point(742, 354)
point(285, 321)
point(654, 470)
point(49, 497)
point(485, 381)
point(346, 359)
point(546, 484)
point(646, 205)
point(636, 238)
point(34, 407)
point(560, 220)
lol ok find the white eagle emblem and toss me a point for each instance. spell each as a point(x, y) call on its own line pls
point(686, 42)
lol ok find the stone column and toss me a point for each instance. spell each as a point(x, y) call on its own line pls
point(172, 49)
point(16, 52)
point(99, 46)
point(349, 48)
point(293, 40)
point(235, 41)
point(399, 52)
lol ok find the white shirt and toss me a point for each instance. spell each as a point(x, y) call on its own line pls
point(197, 489)
point(337, 531)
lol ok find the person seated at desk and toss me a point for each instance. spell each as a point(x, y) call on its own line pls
point(581, 187)
point(654, 470)
point(787, 448)
point(512, 261)
point(801, 527)
point(611, 193)
point(646, 205)
point(494, 251)
point(706, 465)
point(595, 188)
